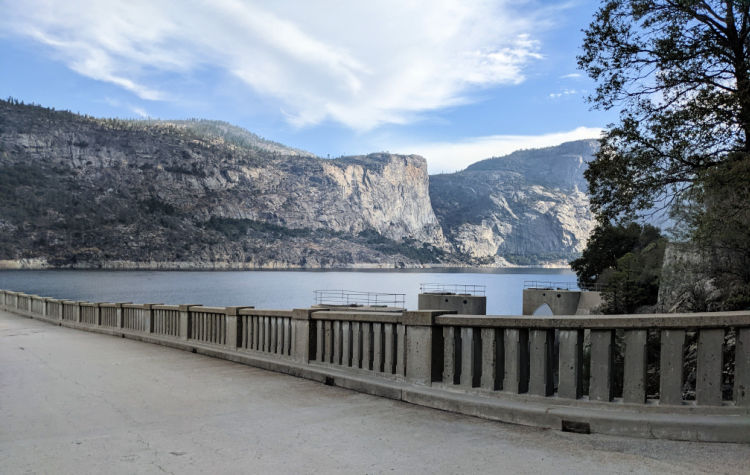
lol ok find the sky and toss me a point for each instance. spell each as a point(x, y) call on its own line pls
point(455, 81)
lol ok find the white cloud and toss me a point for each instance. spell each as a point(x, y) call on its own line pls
point(139, 111)
point(453, 156)
point(359, 63)
point(571, 76)
point(564, 92)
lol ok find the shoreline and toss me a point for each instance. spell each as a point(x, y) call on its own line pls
point(42, 264)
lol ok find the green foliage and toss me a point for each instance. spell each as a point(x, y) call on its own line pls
point(626, 260)
point(716, 220)
point(634, 280)
point(606, 245)
point(680, 73)
point(411, 248)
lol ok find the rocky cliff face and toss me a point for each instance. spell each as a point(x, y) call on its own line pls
point(82, 192)
point(529, 207)
point(87, 192)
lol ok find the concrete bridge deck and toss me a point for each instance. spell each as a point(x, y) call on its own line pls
point(79, 402)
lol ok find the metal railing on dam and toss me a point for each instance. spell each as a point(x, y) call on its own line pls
point(624, 375)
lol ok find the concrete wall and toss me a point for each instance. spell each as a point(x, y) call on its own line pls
point(561, 302)
point(450, 361)
point(461, 303)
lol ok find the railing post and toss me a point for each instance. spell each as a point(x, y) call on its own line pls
point(634, 378)
point(493, 355)
point(184, 321)
point(78, 311)
point(232, 326)
point(709, 367)
point(423, 346)
point(118, 311)
point(149, 308)
point(304, 345)
point(670, 366)
point(602, 364)
point(98, 314)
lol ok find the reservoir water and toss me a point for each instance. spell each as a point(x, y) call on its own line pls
point(270, 289)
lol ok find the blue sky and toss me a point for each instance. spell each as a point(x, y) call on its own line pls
point(454, 81)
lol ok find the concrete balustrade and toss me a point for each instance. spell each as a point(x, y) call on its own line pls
point(590, 373)
point(529, 359)
point(266, 331)
point(166, 320)
point(109, 314)
point(371, 341)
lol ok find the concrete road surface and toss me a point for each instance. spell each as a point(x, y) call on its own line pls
point(79, 402)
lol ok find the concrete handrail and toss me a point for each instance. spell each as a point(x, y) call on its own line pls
point(528, 370)
point(544, 356)
point(657, 320)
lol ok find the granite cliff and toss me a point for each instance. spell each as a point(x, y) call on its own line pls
point(84, 192)
point(77, 191)
point(529, 207)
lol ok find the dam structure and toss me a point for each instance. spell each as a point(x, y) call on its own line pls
point(576, 373)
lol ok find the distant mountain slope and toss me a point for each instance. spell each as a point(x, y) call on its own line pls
point(528, 207)
point(229, 134)
point(85, 192)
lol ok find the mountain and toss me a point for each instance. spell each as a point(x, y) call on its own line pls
point(216, 130)
point(529, 207)
point(77, 191)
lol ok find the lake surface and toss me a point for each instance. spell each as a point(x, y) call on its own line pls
point(270, 289)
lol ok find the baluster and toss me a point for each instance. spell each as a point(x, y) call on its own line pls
point(273, 322)
point(356, 345)
point(400, 350)
point(256, 333)
point(270, 334)
point(337, 342)
point(346, 341)
point(327, 329)
point(449, 356)
point(709, 367)
point(319, 341)
point(243, 320)
point(366, 346)
point(287, 336)
point(377, 347)
point(469, 353)
point(634, 380)
point(388, 353)
point(670, 366)
point(541, 362)
point(492, 359)
point(516, 377)
point(602, 362)
point(570, 366)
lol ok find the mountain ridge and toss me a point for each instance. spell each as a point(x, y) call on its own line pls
point(77, 191)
